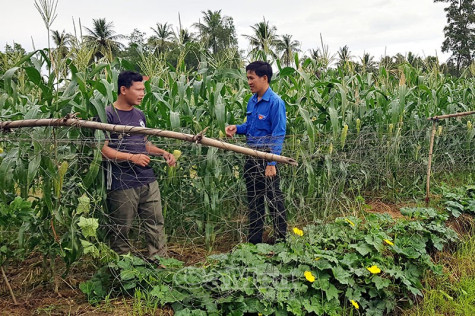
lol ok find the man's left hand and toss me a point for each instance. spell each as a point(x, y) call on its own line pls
point(271, 171)
point(170, 159)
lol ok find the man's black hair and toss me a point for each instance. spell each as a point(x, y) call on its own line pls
point(261, 68)
point(127, 79)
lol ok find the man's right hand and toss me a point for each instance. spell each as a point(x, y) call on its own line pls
point(230, 130)
point(140, 159)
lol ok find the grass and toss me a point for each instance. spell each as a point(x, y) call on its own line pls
point(452, 293)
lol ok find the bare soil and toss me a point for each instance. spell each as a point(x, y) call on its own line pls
point(379, 207)
point(37, 296)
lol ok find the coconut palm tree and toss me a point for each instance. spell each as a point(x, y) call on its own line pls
point(322, 55)
point(399, 59)
point(183, 36)
point(367, 63)
point(414, 60)
point(216, 31)
point(103, 39)
point(387, 62)
point(62, 41)
point(431, 64)
point(185, 51)
point(288, 47)
point(344, 56)
point(162, 34)
point(264, 38)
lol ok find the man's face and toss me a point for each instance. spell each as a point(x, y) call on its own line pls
point(257, 84)
point(135, 93)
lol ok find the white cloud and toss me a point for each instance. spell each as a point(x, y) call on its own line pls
point(363, 25)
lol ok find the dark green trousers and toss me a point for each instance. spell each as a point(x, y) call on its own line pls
point(144, 202)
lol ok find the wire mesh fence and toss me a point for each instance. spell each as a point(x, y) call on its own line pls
point(204, 196)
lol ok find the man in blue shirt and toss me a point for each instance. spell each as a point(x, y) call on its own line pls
point(265, 130)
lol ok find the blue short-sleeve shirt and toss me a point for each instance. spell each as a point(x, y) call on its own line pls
point(265, 123)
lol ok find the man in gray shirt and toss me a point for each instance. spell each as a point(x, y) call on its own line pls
point(132, 188)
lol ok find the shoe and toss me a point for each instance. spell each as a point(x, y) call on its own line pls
point(155, 262)
point(271, 241)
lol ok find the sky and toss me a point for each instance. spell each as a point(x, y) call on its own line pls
point(378, 27)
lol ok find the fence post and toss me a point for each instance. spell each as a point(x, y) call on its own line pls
point(429, 165)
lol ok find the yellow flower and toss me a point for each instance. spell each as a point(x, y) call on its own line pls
point(355, 304)
point(389, 242)
point(176, 154)
point(350, 222)
point(317, 258)
point(309, 276)
point(374, 269)
point(314, 119)
point(298, 232)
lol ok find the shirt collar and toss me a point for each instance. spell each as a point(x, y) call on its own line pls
point(266, 96)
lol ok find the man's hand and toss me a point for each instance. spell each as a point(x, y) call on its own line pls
point(170, 159)
point(230, 130)
point(271, 171)
point(140, 159)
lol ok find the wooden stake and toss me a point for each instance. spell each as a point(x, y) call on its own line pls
point(429, 165)
point(6, 125)
point(434, 120)
point(8, 285)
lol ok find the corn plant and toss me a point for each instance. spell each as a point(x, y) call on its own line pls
point(351, 132)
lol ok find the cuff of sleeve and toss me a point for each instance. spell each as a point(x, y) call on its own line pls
point(240, 129)
point(271, 163)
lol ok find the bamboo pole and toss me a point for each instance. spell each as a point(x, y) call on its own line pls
point(73, 122)
point(429, 165)
point(446, 116)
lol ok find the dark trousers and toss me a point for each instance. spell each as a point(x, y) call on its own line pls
point(258, 188)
